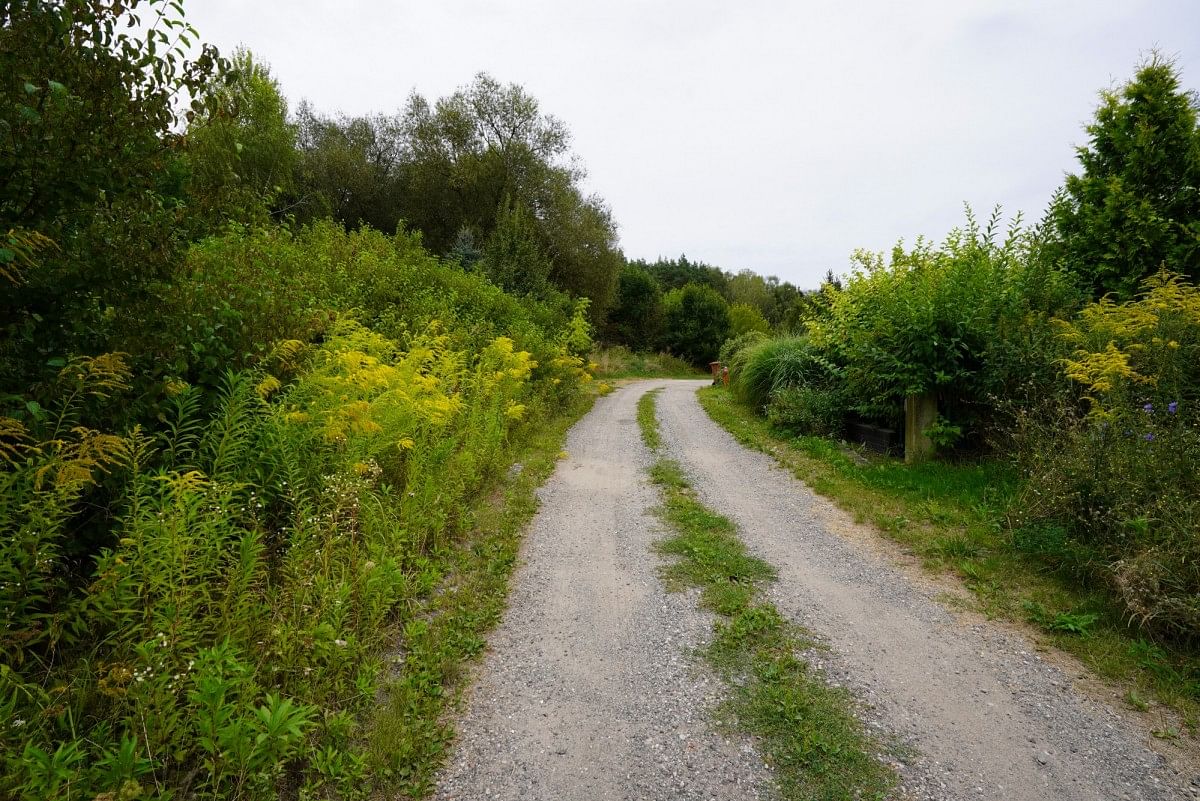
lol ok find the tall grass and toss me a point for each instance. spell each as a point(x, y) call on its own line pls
point(618, 361)
point(771, 365)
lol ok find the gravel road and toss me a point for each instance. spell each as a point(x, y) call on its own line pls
point(590, 689)
point(986, 716)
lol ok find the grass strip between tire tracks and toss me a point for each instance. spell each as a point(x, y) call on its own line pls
point(805, 729)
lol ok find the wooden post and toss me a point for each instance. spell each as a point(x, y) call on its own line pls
point(919, 413)
point(715, 367)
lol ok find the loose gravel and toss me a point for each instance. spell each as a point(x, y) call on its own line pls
point(976, 712)
point(590, 689)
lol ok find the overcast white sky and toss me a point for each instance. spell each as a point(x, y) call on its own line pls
point(774, 136)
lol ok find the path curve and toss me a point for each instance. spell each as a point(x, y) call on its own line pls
point(590, 689)
point(986, 716)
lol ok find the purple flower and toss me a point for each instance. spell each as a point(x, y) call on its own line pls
point(1172, 407)
point(1149, 407)
point(1149, 438)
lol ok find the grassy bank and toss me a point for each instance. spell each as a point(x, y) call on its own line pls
point(616, 362)
point(954, 517)
point(805, 729)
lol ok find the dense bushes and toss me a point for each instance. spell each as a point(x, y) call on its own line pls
point(247, 288)
point(260, 554)
point(1097, 406)
point(903, 327)
point(1119, 478)
point(967, 321)
point(695, 323)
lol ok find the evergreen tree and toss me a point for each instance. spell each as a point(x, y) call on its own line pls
point(1135, 207)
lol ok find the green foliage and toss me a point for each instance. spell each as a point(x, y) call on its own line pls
point(249, 288)
point(964, 517)
point(758, 303)
point(744, 318)
point(1120, 481)
point(83, 117)
point(243, 158)
point(513, 257)
point(261, 554)
point(678, 273)
point(93, 95)
point(648, 421)
point(807, 409)
point(1078, 623)
point(769, 366)
point(943, 433)
point(1134, 208)
point(734, 349)
point(485, 161)
point(695, 323)
point(347, 170)
point(902, 327)
point(618, 361)
point(635, 319)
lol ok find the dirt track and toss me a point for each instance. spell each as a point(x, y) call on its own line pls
point(590, 690)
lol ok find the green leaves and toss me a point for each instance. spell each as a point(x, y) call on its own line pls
point(695, 323)
point(1134, 207)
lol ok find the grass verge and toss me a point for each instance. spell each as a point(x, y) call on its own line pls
point(411, 731)
point(617, 361)
point(953, 517)
point(805, 728)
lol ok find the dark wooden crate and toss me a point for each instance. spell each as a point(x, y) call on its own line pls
point(877, 438)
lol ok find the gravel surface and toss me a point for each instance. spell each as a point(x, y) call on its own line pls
point(980, 714)
point(589, 690)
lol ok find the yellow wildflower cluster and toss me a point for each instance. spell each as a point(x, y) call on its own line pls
point(1148, 342)
point(501, 362)
point(570, 369)
point(361, 383)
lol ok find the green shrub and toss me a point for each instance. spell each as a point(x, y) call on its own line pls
point(744, 318)
point(772, 365)
point(618, 361)
point(732, 348)
point(969, 321)
point(695, 323)
point(1119, 480)
point(251, 555)
point(808, 410)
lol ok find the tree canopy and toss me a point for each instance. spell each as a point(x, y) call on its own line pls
point(1135, 206)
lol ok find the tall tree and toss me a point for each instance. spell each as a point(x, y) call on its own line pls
point(678, 273)
point(635, 319)
point(1135, 207)
point(695, 322)
point(465, 154)
point(91, 101)
point(348, 170)
point(514, 258)
point(243, 157)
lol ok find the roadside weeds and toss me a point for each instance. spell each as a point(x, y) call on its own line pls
point(411, 733)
